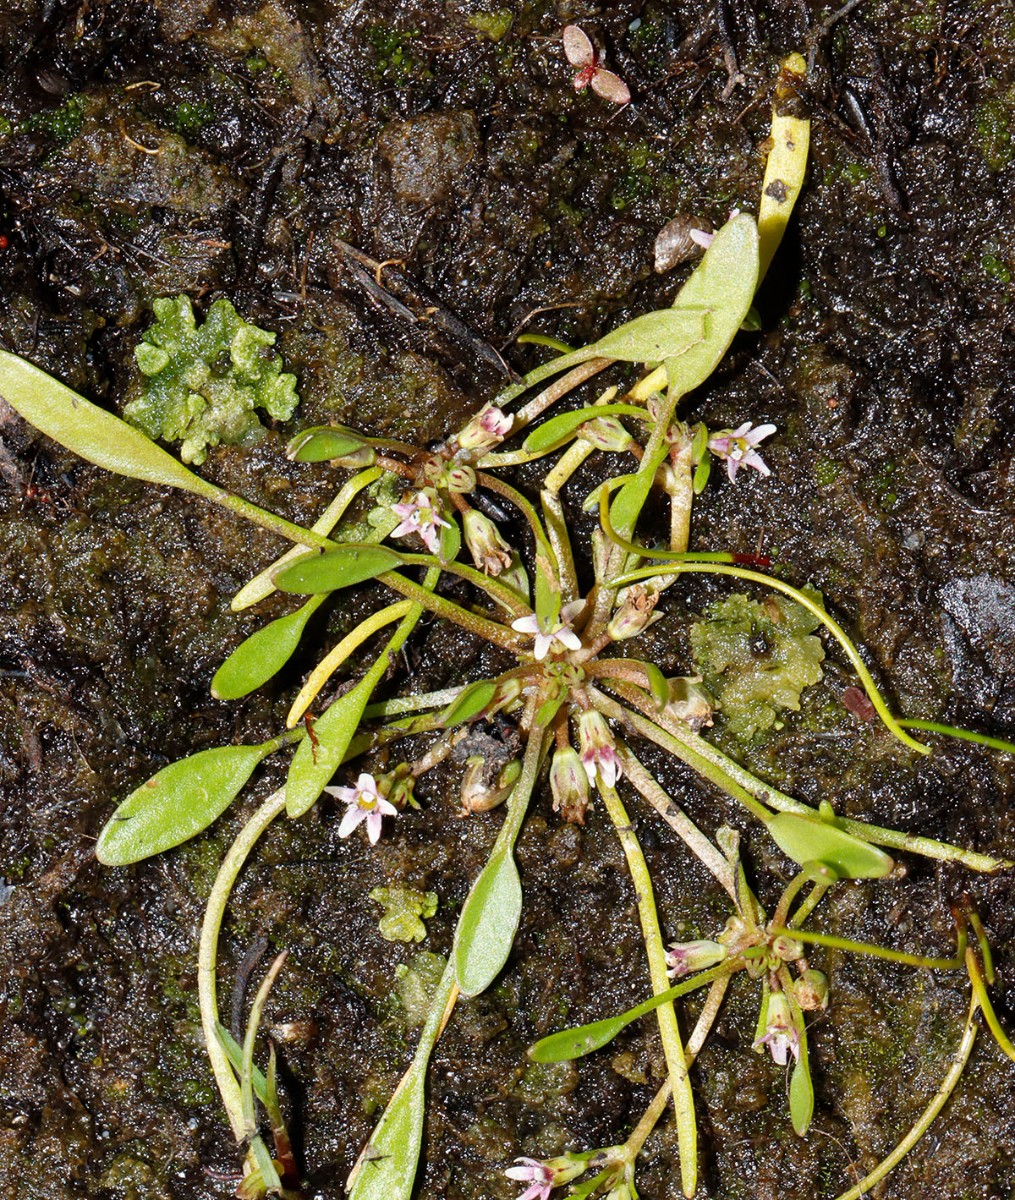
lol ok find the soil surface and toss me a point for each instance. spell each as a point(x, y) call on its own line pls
point(215, 148)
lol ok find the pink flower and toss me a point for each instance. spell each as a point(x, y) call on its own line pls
point(598, 749)
point(365, 804)
point(539, 1176)
point(736, 448)
point(684, 957)
point(560, 633)
point(580, 52)
point(420, 516)
point(780, 1034)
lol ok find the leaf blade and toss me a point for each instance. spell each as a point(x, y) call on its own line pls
point(177, 803)
point(263, 654)
point(808, 839)
point(89, 431)
point(488, 924)
point(313, 765)
point(336, 569)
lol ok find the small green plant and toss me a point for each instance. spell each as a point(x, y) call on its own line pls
point(200, 385)
point(571, 683)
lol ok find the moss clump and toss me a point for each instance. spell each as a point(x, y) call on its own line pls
point(405, 909)
point(994, 132)
point(62, 124)
point(190, 118)
point(756, 659)
point(416, 984)
point(493, 25)
point(201, 385)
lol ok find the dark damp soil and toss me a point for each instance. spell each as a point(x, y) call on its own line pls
point(222, 148)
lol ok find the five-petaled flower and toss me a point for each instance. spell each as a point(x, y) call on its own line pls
point(420, 515)
point(780, 1034)
point(736, 447)
point(542, 1177)
point(580, 53)
point(598, 749)
point(559, 636)
point(365, 804)
point(539, 1176)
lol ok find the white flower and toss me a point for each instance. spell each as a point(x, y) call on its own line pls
point(736, 447)
point(365, 804)
point(542, 1177)
point(561, 633)
point(421, 516)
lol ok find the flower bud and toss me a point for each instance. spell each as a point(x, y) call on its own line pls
point(570, 785)
point(489, 551)
point(635, 614)
point(683, 958)
point(811, 990)
point(506, 693)
point(398, 787)
point(606, 433)
point(689, 702)
point(486, 429)
point(787, 948)
point(460, 478)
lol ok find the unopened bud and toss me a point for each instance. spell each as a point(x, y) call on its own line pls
point(398, 786)
point(570, 785)
point(460, 479)
point(787, 948)
point(689, 702)
point(489, 551)
point(635, 614)
point(683, 958)
point(487, 429)
point(811, 990)
point(607, 433)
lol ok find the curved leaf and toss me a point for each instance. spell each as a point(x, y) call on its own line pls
point(313, 765)
point(724, 283)
point(470, 703)
point(90, 431)
point(260, 656)
point(556, 429)
point(808, 839)
point(336, 569)
point(488, 924)
point(323, 443)
point(177, 803)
